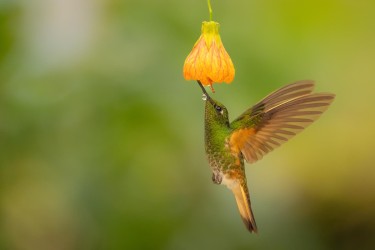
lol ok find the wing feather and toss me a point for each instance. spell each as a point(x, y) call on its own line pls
point(277, 118)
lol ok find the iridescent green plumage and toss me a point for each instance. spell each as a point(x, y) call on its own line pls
point(256, 132)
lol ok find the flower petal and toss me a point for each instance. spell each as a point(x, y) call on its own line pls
point(208, 61)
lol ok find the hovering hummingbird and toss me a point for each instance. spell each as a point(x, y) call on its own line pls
point(256, 132)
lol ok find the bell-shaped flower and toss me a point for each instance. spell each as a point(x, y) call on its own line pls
point(209, 62)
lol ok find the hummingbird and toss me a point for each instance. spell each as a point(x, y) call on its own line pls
point(257, 131)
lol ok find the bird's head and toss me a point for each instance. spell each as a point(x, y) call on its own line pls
point(214, 111)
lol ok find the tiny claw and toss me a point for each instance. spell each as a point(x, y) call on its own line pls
point(216, 178)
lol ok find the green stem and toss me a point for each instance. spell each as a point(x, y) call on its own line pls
point(209, 9)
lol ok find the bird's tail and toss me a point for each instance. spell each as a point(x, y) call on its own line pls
point(241, 193)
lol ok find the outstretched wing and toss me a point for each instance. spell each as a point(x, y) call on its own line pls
point(277, 118)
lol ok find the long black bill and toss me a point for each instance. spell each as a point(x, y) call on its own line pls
point(204, 90)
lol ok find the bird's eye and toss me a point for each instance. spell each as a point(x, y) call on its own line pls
point(218, 108)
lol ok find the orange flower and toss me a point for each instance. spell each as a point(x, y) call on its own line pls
point(209, 62)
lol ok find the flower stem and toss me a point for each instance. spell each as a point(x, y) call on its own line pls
point(209, 9)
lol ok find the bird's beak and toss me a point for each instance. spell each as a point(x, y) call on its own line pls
point(207, 97)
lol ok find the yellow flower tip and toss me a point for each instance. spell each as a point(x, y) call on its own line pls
point(208, 61)
point(210, 31)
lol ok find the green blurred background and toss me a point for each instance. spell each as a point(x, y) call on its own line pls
point(101, 138)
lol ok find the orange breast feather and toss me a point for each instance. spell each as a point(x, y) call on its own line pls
point(239, 138)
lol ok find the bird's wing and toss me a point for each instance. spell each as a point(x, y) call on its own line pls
point(276, 119)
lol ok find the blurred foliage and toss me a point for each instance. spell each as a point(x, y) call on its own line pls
point(101, 139)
